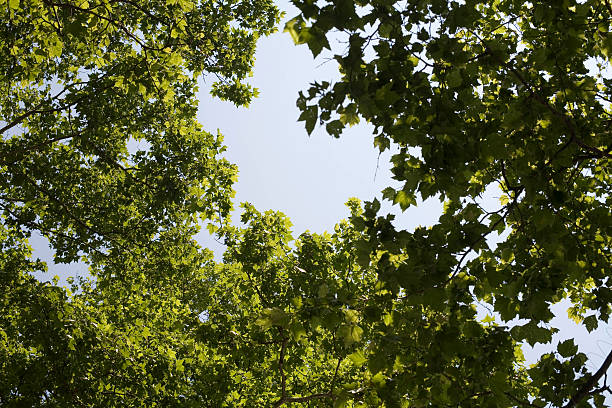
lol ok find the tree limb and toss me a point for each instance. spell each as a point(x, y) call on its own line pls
point(284, 398)
point(281, 369)
point(585, 390)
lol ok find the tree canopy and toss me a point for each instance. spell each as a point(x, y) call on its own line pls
point(101, 153)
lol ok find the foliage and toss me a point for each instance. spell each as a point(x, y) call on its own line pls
point(102, 155)
point(505, 96)
point(100, 146)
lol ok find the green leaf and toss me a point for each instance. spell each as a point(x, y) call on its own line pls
point(358, 358)
point(349, 115)
point(317, 41)
point(488, 319)
point(385, 96)
point(341, 400)
point(75, 28)
point(310, 116)
point(532, 333)
point(590, 322)
point(334, 127)
point(567, 348)
point(350, 334)
point(323, 290)
point(55, 50)
point(293, 27)
point(264, 321)
point(279, 317)
point(376, 362)
point(404, 199)
point(454, 78)
point(297, 330)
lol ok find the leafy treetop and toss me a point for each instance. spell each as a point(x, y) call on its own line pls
point(100, 147)
point(475, 95)
point(478, 96)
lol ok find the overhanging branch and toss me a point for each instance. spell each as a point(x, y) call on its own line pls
point(586, 389)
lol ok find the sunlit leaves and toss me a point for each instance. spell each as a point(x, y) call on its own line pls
point(314, 37)
point(475, 100)
point(101, 153)
point(99, 133)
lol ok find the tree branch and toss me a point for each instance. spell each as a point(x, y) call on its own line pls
point(308, 397)
point(585, 390)
point(544, 102)
point(520, 401)
point(284, 398)
point(459, 267)
point(281, 369)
